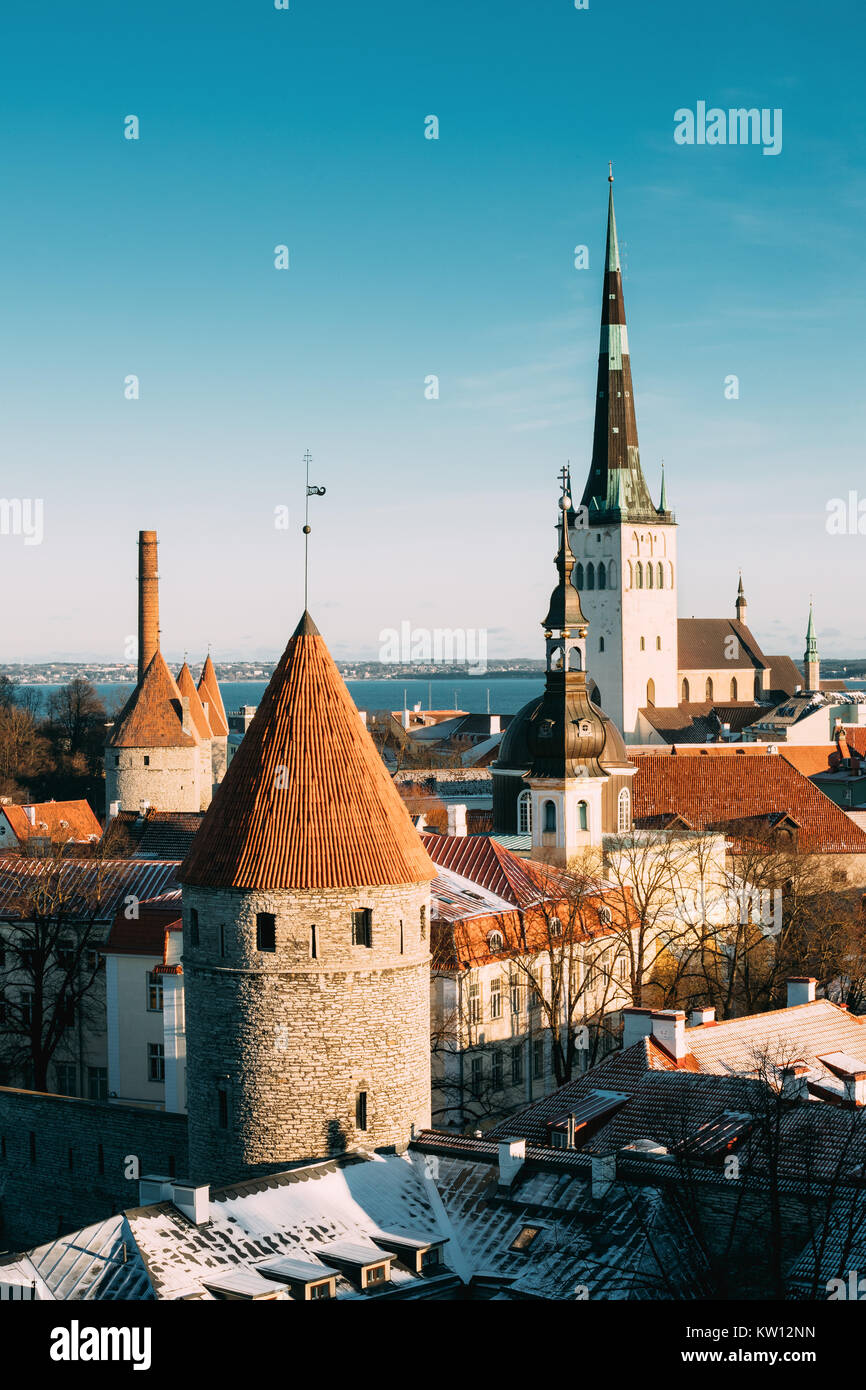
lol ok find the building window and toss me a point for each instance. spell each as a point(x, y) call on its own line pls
point(497, 1071)
point(524, 813)
point(476, 1075)
point(146, 760)
point(658, 644)
point(638, 575)
point(605, 916)
point(602, 575)
point(193, 926)
point(361, 1110)
point(622, 967)
point(590, 575)
point(117, 760)
point(155, 1062)
point(685, 692)
point(266, 931)
point(223, 939)
point(601, 644)
point(401, 936)
point(538, 1058)
point(423, 918)
point(32, 1146)
point(222, 1107)
point(516, 1065)
point(555, 927)
point(583, 815)
point(474, 1002)
point(733, 687)
point(97, 1083)
point(26, 1005)
point(709, 688)
point(496, 998)
point(100, 1160)
point(66, 1078)
point(549, 818)
point(65, 955)
point(362, 927)
point(495, 943)
point(661, 575)
point(649, 574)
point(650, 692)
point(579, 575)
point(515, 994)
point(314, 945)
point(154, 992)
point(623, 810)
point(643, 644)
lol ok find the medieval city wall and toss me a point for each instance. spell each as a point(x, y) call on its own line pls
point(64, 1162)
point(173, 780)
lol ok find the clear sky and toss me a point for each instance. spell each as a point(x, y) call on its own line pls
point(411, 257)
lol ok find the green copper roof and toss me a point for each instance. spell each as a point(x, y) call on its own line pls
point(612, 243)
point(811, 639)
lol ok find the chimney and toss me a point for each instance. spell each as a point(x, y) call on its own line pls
point(30, 813)
point(186, 717)
point(153, 1188)
point(495, 724)
point(512, 1155)
point(669, 1031)
point(457, 820)
point(795, 1081)
point(193, 1202)
point(636, 1024)
point(148, 601)
point(603, 1174)
point(801, 990)
point(697, 1017)
point(113, 809)
point(407, 719)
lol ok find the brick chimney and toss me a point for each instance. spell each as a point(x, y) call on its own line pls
point(795, 1081)
point(512, 1156)
point(801, 990)
point(148, 601)
point(636, 1024)
point(456, 820)
point(669, 1031)
point(698, 1017)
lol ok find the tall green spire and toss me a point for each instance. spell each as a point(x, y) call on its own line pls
point(663, 500)
point(811, 638)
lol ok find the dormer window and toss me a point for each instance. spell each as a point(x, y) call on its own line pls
point(495, 942)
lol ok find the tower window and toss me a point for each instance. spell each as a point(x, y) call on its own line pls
point(223, 939)
point(649, 575)
point(524, 813)
point(685, 692)
point(602, 575)
point(643, 644)
point(361, 1110)
point(650, 692)
point(658, 644)
point(583, 815)
point(709, 688)
point(623, 810)
point(401, 936)
point(601, 644)
point(549, 817)
point(638, 575)
point(423, 917)
point(661, 575)
point(146, 760)
point(222, 1107)
point(266, 931)
point(362, 927)
point(590, 575)
point(314, 945)
point(579, 575)
point(733, 687)
point(193, 926)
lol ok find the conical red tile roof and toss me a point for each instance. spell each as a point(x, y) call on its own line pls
point(186, 686)
point(306, 801)
point(209, 691)
point(153, 715)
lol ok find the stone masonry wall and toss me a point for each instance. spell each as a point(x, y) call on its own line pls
point(292, 1040)
point(173, 780)
point(63, 1161)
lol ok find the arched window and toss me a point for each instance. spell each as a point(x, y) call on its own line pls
point(556, 659)
point(661, 574)
point(602, 575)
point(638, 575)
point(549, 817)
point(643, 644)
point(733, 687)
point(649, 575)
point(605, 916)
point(495, 942)
point(601, 644)
point(709, 688)
point(623, 810)
point(658, 644)
point(650, 692)
point(524, 813)
point(685, 691)
point(583, 815)
point(758, 686)
point(590, 575)
point(575, 659)
point(611, 574)
point(578, 575)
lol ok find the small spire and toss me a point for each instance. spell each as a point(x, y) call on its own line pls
point(610, 171)
point(740, 606)
point(663, 500)
point(811, 637)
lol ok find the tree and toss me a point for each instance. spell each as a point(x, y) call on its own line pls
point(77, 722)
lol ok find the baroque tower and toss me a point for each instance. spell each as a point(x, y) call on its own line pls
point(306, 919)
point(625, 546)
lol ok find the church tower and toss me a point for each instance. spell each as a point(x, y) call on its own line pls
point(811, 659)
point(625, 546)
point(306, 920)
point(741, 603)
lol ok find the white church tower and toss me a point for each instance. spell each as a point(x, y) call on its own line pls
point(625, 546)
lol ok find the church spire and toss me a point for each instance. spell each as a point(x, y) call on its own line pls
point(616, 486)
point(663, 499)
point(741, 601)
point(811, 659)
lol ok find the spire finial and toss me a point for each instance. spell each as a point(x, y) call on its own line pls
point(610, 171)
point(310, 492)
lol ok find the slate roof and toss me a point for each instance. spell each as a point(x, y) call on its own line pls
point(89, 885)
point(306, 801)
point(711, 791)
point(160, 834)
point(153, 715)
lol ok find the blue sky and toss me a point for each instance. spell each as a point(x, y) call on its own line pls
point(412, 257)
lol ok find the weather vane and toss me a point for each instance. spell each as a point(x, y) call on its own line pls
point(312, 491)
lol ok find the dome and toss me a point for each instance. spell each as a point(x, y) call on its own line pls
point(514, 751)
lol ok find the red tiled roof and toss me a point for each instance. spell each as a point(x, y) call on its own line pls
point(59, 820)
point(186, 686)
point(713, 790)
point(477, 857)
point(306, 801)
point(153, 715)
point(209, 691)
point(145, 936)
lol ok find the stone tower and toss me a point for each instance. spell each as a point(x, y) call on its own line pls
point(579, 775)
point(625, 546)
point(811, 659)
point(306, 907)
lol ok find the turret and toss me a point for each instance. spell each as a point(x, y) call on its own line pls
point(811, 659)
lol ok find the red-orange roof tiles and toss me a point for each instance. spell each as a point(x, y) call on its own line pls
point(209, 692)
point(186, 686)
point(153, 715)
point(58, 820)
point(306, 801)
point(711, 791)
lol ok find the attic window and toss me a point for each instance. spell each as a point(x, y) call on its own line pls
point(555, 927)
point(525, 1238)
point(495, 942)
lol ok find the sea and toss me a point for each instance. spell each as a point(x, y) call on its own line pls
point(502, 695)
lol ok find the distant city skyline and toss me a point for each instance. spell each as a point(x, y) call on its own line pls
point(412, 258)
